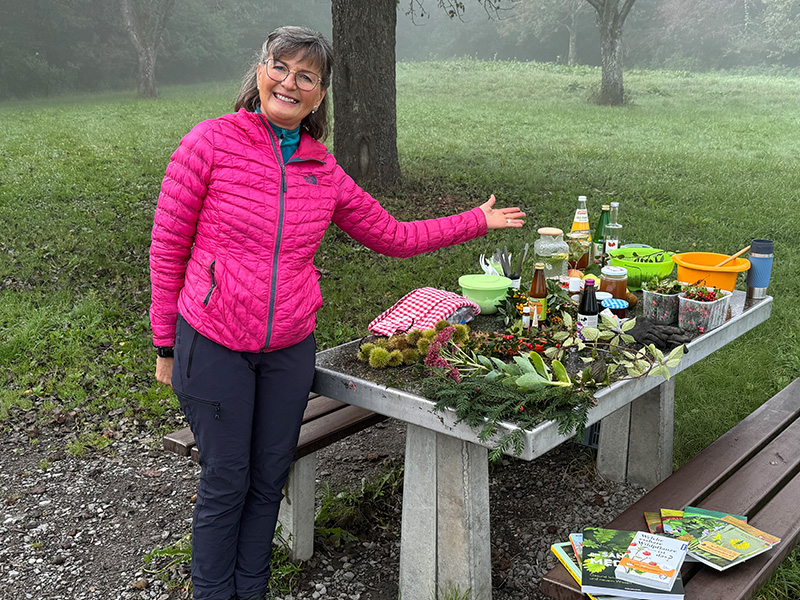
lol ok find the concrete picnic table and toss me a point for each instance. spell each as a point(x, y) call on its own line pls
point(445, 538)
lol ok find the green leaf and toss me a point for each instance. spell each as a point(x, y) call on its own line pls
point(538, 363)
point(660, 370)
point(658, 354)
point(674, 358)
point(628, 339)
point(524, 364)
point(607, 335)
point(484, 360)
point(550, 352)
point(498, 363)
point(560, 372)
point(608, 321)
point(590, 334)
point(530, 381)
point(628, 325)
point(567, 320)
point(560, 336)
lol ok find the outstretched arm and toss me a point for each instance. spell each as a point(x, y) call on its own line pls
point(500, 218)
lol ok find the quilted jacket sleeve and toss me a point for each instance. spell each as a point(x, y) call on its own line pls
point(182, 195)
point(361, 216)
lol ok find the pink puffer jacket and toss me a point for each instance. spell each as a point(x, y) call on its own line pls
point(236, 231)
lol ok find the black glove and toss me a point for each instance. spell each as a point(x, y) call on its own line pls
point(663, 337)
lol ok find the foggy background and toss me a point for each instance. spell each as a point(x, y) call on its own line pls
point(55, 46)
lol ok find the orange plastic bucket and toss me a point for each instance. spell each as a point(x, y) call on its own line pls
point(698, 267)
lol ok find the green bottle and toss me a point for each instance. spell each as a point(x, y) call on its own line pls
point(598, 238)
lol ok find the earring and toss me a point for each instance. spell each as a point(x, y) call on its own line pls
point(313, 110)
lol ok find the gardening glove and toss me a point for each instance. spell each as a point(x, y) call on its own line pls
point(663, 337)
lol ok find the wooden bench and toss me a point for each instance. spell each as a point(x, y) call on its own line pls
point(325, 421)
point(753, 470)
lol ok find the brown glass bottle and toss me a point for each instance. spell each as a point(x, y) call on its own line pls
point(538, 293)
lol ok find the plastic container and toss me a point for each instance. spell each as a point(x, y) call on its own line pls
point(661, 308)
point(487, 291)
point(639, 272)
point(700, 317)
point(697, 268)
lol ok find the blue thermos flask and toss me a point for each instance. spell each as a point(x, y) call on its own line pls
point(761, 253)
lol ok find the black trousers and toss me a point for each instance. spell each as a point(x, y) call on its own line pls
point(245, 411)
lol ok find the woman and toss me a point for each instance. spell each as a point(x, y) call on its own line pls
point(243, 207)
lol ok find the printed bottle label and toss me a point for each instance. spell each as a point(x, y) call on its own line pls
point(581, 216)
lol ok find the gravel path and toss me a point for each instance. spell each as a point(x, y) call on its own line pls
point(77, 528)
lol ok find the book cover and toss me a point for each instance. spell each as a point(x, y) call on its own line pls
point(731, 543)
point(653, 520)
point(562, 553)
point(576, 539)
point(602, 551)
point(652, 560)
point(698, 522)
point(672, 520)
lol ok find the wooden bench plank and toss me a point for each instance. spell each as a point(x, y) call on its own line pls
point(779, 517)
point(321, 406)
point(334, 427)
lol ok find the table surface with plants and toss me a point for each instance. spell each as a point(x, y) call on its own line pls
point(503, 384)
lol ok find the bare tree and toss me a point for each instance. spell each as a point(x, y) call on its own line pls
point(145, 21)
point(610, 19)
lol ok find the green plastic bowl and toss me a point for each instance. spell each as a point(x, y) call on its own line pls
point(639, 272)
point(487, 291)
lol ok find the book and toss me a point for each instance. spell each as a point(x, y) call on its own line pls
point(730, 543)
point(698, 522)
point(672, 521)
point(562, 553)
point(652, 560)
point(576, 539)
point(602, 551)
point(653, 520)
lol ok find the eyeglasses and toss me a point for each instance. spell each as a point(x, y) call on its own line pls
point(305, 80)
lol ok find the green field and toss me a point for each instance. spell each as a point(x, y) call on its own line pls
point(697, 161)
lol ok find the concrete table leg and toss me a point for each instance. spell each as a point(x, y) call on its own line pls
point(296, 514)
point(636, 441)
point(445, 541)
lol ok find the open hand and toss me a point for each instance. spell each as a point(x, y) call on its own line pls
point(500, 218)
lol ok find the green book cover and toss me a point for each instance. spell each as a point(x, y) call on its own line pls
point(562, 553)
point(730, 543)
point(602, 551)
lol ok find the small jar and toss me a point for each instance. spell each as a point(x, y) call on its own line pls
point(615, 281)
point(617, 306)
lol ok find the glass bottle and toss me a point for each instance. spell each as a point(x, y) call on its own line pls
point(526, 318)
point(612, 231)
point(588, 309)
point(538, 293)
point(599, 234)
point(553, 251)
point(581, 220)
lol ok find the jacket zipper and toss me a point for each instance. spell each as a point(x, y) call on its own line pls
point(207, 299)
point(278, 234)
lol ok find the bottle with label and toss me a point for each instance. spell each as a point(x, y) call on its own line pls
point(526, 318)
point(588, 309)
point(599, 234)
point(612, 231)
point(615, 281)
point(581, 220)
point(538, 292)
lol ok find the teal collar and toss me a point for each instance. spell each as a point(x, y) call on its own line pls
point(289, 139)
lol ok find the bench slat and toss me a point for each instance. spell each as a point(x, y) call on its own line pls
point(779, 517)
point(334, 427)
point(321, 406)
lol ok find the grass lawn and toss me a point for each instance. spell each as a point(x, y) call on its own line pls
point(697, 161)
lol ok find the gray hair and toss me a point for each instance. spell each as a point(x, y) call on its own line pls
point(288, 42)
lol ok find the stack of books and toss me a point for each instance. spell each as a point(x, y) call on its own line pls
point(611, 564)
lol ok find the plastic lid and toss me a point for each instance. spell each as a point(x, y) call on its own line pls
point(549, 231)
point(605, 207)
point(762, 247)
point(615, 303)
point(484, 282)
point(538, 266)
point(574, 284)
point(612, 271)
point(603, 296)
point(589, 281)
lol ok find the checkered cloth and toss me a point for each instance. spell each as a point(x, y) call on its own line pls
point(420, 309)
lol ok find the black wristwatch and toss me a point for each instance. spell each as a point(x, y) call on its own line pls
point(165, 351)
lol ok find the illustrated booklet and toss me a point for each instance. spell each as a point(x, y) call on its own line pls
point(652, 560)
point(602, 551)
point(729, 543)
point(562, 553)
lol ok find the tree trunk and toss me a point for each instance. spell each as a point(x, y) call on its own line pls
point(147, 73)
point(364, 90)
point(612, 91)
point(572, 55)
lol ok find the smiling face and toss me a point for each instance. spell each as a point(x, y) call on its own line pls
point(283, 103)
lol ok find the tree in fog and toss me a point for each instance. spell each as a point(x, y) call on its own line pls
point(541, 18)
point(781, 30)
point(610, 19)
point(364, 91)
point(145, 22)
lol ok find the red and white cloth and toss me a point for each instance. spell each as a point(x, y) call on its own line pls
point(420, 309)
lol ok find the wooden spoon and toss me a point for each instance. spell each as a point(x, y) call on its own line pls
point(730, 258)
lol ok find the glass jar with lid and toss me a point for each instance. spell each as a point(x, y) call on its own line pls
point(615, 281)
point(579, 244)
point(553, 251)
